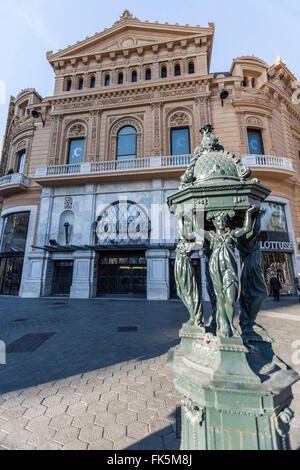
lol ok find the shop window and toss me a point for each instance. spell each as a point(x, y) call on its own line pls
point(134, 76)
point(148, 74)
point(191, 67)
point(107, 80)
point(127, 143)
point(76, 151)
point(163, 72)
point(15, 233)
point(180, 141)
point(255, 140)
point(177, 70)
point(20, 161)
point(274, 219)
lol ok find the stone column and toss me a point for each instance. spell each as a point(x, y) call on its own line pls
point(157, 148)
point(83, 275)
point(158, 283)
point(34, 284)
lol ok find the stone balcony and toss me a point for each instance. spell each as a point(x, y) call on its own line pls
point(261, 164)
point(13, 183)
point(140, 168)
point(148, 167)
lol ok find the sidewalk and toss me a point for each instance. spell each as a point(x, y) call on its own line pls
point(73, 381)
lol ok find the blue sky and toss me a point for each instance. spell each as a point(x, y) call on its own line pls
point(29, 28)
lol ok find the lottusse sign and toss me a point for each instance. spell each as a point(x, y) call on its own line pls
point(276, 246)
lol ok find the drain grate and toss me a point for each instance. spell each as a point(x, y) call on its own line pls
point(123, 329)
point(28, 343)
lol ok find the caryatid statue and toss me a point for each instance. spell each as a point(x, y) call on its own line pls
point(223, 265)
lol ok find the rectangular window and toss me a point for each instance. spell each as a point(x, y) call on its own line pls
point(180, 141)
point(21, 157)
point(76, 151)
point(256, 146)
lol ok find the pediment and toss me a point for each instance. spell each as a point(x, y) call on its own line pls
point(127, 35)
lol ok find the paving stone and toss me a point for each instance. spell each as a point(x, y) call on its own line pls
point(112, 380)
point(127, 380)
point(102, 388)
point(16, 440)
point(105, 374)
point(147, 416)
point(11, 395)
point(51, 446)
point(38, 424)
point(124, 443)
point(114, 431)
point(91, 433)
point(13, 402)
point(76, 445)
point(35, 412)
point(14, 424)
point(167, 414)
point(127, 396)
point(13, 413)
point(143, 379)
point(77, 409)
point(109, 397)
point(38, 439)
point(57, 410)
point(150, 443)
point(3, 435)
point(71, 399)
point(126, 417)
point(105, 418)
point(119, 388)
point(66, 435)
point(137, 430)
point(146, 395)
point(101, 444)
point(161, 427)
point(52, 401)
point(173, 401)
point(84, 390)
point(156, 404)
point(32, 401)
point(97, 407)
point(117, 406)
point(83, 421)
point(48, 392)
point(137, 405)
point(138, 388)
point(67, 390)
point(61, 422)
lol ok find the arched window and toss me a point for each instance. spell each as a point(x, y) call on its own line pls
point(107, 80)
point(163, 72)
point(126, 143)
point(253, 83)
point(177, 70)
point(245, 81)
point(69, 85)
point(80, 84)
point(191, 67)
point(134, 76)
point(148, 74)
point(93, 82)
point(120, 79)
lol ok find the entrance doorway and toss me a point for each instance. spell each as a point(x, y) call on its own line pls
point(62, 278)
point(173, 289)
point(11, 275)
point(122, 274)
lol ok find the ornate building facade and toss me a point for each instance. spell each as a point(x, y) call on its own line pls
point(85, 173)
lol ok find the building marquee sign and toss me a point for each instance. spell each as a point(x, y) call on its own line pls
point(277, 246)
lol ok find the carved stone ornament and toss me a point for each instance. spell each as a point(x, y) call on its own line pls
point(68, 203)
point(77, 130)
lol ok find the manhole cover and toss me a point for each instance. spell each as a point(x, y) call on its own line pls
point(122, 329)
point(28, 343)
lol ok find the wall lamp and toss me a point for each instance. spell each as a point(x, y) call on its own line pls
point(36, 115)
point(223, 95)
